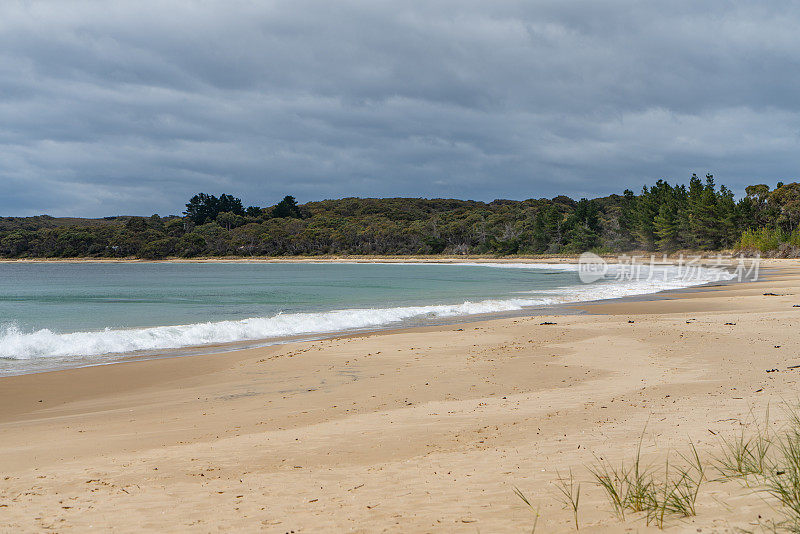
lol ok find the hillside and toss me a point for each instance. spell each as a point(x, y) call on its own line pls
point(663, 218)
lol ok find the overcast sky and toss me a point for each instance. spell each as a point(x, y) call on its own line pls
point(131, 107)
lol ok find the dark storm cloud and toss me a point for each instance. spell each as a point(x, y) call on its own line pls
point(131, 107)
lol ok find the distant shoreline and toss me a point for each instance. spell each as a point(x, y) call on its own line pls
point(485, 258)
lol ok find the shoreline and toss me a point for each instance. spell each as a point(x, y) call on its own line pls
point(482, 258)
point(546, 310)
point(416, 430)
point(225, 347)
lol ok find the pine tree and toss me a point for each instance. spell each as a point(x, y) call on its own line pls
point(203, 208)
point(627, 218)
point(646, 210)
point(540, 238)
point(694, 202)
point(582, 227)
point(706, 223)
point(287, 208)
point(726, 214)
point(553, 223)
point(666, 227)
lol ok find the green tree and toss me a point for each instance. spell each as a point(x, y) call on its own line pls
point(786, 200)
point(136, 224)
point(15, 243)
point(287, 208)
point(627, 219)
point(582, 227)
point(158, 249)
point(705, 218)
point(646, 210)
point(175, 227)
point(666, 228)
point(727, 217)
point(229, 220)
point(203, 208)
point(540, 239)
point(190, 245)
point(553, 226)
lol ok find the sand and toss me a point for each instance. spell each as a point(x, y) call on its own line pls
point(419, 430)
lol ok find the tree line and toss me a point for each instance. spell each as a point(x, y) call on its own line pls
point(698, 216)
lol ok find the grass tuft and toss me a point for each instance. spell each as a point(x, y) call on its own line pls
point(570, 492)
point(782, 479)
point(637, 488)
point(535, 510)
point(758, 454)
point(746, 455)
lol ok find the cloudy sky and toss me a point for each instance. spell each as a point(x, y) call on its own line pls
point(131, 107)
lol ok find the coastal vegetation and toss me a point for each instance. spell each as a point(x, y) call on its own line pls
point(664, 218)
point(762, 457)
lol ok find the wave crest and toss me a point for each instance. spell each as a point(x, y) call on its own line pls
point(18, 345)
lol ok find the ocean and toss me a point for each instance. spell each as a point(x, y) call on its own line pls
point(60, 315)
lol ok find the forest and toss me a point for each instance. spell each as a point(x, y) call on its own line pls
point(663, 218)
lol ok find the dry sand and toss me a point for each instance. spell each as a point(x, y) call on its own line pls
point(421, 430)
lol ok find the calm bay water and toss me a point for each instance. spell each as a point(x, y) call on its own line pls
point(65, 314)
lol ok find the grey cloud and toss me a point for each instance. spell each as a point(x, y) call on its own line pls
point(131, 107)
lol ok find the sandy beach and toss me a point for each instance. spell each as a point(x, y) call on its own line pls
point(417, 430)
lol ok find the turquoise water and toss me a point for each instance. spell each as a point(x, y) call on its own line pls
point(66, 314)
point(74, 297)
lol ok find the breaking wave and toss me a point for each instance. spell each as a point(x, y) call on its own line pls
point(16, 344)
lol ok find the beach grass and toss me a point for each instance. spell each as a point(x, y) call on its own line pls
point(765, 460)
point(746, 454)
point(781, 480)
point(657, 493)
point(569, 491)
point(530, 505)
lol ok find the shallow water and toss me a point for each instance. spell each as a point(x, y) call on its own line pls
point(54, 315)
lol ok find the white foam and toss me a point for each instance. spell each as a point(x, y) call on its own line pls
point(18, 345)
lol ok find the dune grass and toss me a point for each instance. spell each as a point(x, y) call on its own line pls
point(746, 454)
point(643, 488)
point(781, 479)
point(570, 492)
point(764, 459)
point(533, 509)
